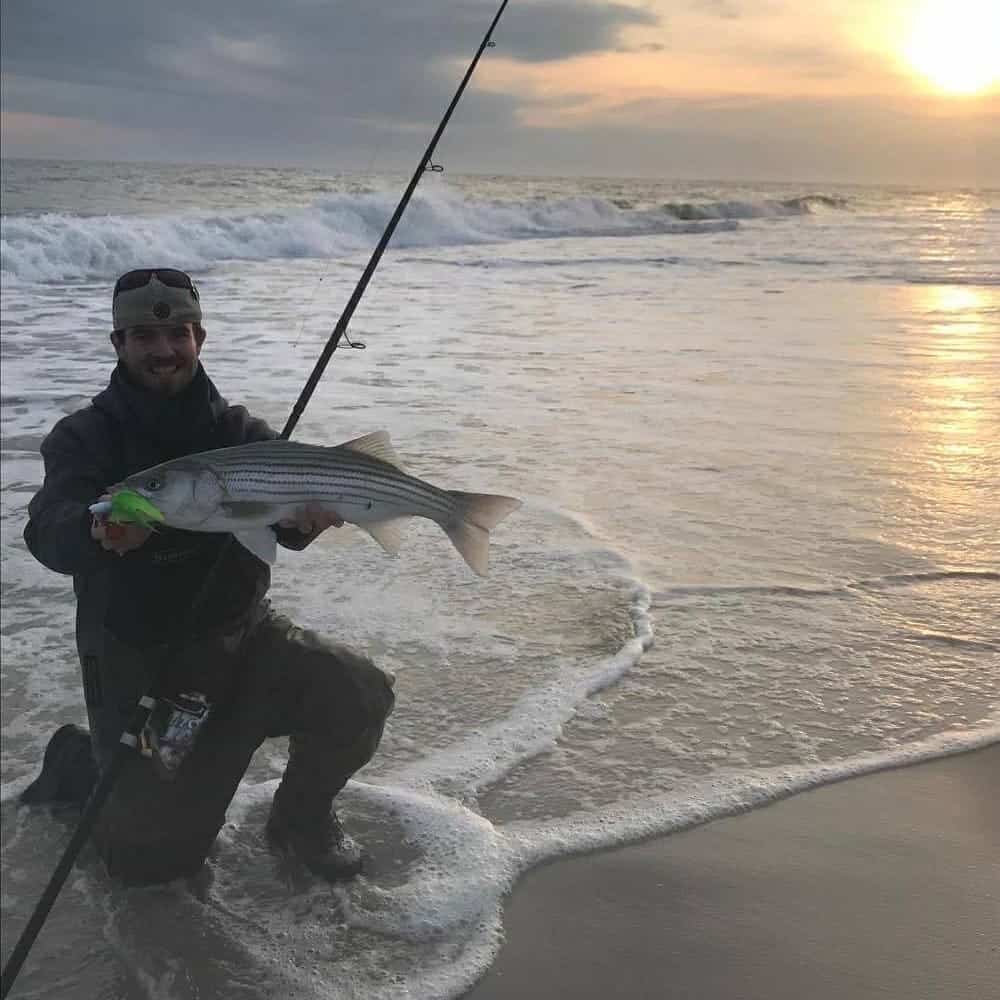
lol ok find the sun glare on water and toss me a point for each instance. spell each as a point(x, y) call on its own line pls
point(955, 44)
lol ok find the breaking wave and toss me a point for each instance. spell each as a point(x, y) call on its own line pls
point(60, 247)
point(805, 205)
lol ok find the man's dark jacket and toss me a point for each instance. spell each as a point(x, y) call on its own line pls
point(145, 595)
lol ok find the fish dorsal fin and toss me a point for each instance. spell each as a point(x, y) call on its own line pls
point(389, 534)
point(377, 445)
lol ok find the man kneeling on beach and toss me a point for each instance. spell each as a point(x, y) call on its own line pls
point(257, 673)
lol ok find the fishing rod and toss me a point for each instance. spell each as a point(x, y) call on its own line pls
point(129, 741)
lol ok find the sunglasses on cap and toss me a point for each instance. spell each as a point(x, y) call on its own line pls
point(167, 275)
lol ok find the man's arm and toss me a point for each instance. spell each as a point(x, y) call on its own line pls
point(58, 530)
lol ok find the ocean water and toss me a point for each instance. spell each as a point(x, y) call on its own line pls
point(757, 433)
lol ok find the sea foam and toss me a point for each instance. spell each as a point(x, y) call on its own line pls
point(454, 892)
point(447, 905)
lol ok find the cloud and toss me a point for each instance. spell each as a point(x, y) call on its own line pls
point(306, 40)
point(73, 138)
point(307, 73)
point(730, 10)
point(221, 65)
point(805, 139)
point(559, 30)
point(644, 47)
point(256, 53)
point(827, 62)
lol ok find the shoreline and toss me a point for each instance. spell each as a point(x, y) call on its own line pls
point(886, 885)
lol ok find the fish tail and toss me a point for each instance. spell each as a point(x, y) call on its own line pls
point(475, 515)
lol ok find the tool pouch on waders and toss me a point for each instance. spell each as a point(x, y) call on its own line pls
point(171, 731)
point(177, 721)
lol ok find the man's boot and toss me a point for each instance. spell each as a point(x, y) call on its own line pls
point(315, 836)
point(69, 771)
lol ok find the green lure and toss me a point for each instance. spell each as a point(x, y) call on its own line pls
point(128, 505)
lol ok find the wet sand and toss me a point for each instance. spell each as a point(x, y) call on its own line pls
point(885, 886)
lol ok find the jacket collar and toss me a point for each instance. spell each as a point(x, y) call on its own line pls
point(177, 425)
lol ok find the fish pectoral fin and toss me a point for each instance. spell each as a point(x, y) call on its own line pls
point(389, 534)
point(377, 445)
point(262, 542)
point(246, 509)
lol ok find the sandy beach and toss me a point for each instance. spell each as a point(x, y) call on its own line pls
point(885, 886)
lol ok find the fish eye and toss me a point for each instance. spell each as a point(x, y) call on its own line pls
point(153, 484)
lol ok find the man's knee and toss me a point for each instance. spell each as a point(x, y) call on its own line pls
point(323, 689)
point(346, 681)
point(136, 862)
point(379, 697)
point(374, 697)
point(153, 831)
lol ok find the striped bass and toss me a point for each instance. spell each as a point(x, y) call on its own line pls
point(246, 489)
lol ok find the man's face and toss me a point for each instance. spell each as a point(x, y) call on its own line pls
point(163, 359)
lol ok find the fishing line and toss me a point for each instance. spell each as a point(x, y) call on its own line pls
point(309, 305)
point(376, 146)
point(130, 738)
point(328, 261)
point(345, 318)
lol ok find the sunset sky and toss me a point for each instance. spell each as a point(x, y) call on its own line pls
point(840, 90)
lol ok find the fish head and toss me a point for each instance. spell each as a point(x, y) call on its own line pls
point(186, 492)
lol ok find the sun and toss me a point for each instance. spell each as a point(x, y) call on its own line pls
point(955, 44)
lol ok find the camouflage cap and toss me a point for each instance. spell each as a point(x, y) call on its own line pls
point(155, 302)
